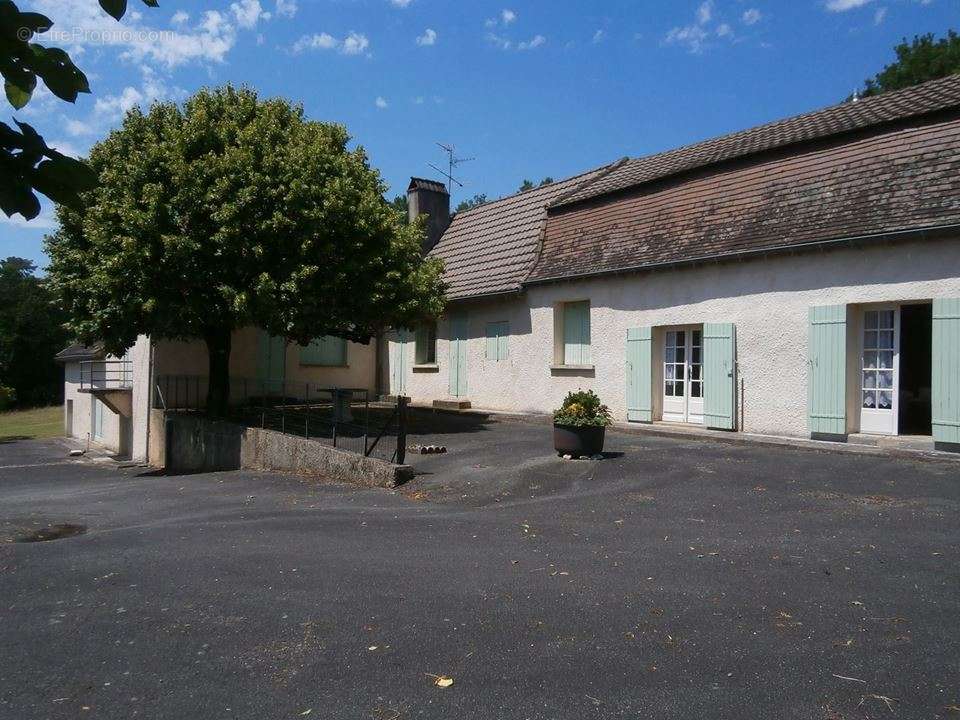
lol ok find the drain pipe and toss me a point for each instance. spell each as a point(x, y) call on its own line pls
point(150, 359)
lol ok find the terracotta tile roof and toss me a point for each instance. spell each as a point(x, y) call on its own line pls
point(892, 178)
point(76, 353)
point(848, 117)
point(490, 249)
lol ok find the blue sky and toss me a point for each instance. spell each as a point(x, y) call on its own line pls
point(529, 88)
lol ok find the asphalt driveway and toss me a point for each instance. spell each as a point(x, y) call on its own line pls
point(681, 579)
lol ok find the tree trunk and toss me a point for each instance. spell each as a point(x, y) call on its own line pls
point(218, 387)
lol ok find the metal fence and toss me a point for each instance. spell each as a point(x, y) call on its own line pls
point(106, 375)
point(344, 418)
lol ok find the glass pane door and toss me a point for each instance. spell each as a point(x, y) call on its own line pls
point(695, 375)
point(878, 385)
point(683, 376)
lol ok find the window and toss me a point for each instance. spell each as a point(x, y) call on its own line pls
point(328, 351)
point(576, 333)
point(426, 342)
point(497, 334)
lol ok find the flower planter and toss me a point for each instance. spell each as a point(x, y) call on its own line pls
point(577, 440)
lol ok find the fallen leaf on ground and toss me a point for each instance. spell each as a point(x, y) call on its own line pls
point(444, 681)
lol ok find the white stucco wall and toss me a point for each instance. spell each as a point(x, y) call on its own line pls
point(767, 299)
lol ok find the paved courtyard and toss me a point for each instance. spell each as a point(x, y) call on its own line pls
point(675, 579)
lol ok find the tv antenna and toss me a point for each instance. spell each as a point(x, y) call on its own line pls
point(452, 163)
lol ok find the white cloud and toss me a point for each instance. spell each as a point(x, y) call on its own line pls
point(75, 128)
point(429, 37)
point(844, 5)
point(180, 18)
point(598, 36)
point(85, 24)
point(400, 3)
point(353, 44)
point(500, 41)
point(248, 13)
point(879, 16)
point(533, 43)
point(752, 17)
point(286, 8)
point(695, 37)
point(44, 221)
point(508, 16)
point(705, 12)
point(381, 103)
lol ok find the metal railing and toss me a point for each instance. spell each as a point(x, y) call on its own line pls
point(344, 418)
point(106, 375)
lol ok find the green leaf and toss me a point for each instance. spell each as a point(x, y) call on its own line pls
point(59, 74)
point(114, 8)
point(17, 96)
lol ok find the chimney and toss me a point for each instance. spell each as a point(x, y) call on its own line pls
point(428, 197)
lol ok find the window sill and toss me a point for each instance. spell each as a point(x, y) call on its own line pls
point(426, 367)
point(571, 368)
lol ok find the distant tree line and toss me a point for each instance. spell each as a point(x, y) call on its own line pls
point(31, 333)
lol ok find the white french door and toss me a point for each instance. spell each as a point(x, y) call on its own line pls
point(683, 376)
point(880, 370)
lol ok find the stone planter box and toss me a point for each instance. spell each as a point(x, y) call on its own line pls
point(578, 441)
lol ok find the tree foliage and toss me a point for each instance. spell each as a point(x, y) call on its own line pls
point(232, 212)
point(925, 58)
point(530, 185)
point(27, 164)
point(474, 202)
point(31, 333)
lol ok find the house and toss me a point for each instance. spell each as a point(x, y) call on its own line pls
point(801, 278)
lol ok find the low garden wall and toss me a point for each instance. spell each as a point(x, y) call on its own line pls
point(196, 444)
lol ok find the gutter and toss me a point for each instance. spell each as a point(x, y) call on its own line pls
point(922, 234)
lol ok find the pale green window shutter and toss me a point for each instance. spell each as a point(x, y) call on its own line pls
point(398, 362)
point(827, 361)
point(576, 333)
point(945, 388)
point(271, 361)
point(639, 375)
point(327, 351)
point(497, 334)
point(458, 356)
point(719, 375)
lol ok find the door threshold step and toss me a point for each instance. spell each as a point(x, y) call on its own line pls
point(454, 404)
point(896, 442)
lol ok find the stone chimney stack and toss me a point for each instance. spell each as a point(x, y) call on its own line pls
point(428, 197)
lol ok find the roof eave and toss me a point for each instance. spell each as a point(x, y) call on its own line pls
point(912, 233)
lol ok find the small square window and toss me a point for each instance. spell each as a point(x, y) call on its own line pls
point(426, 344)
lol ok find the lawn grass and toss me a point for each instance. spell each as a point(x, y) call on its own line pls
point(34, 423)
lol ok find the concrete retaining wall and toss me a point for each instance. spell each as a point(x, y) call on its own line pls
point(194, 444)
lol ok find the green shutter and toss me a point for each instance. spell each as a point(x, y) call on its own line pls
point(458, 356)
point(398, 362)
point(719, 375)
point(639, 375)
point(271, 361)
point(576, 333)
point(945, 388)
point(827, 362)
point(496, 346)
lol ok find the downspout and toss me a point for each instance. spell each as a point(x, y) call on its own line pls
point(149, 396)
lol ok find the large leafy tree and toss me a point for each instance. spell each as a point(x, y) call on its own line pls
point(925, 58)
point(31, 333)
point(233, 211)
point(27, 164)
